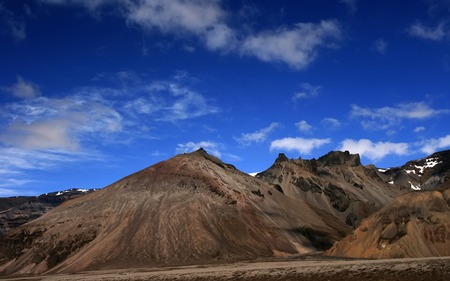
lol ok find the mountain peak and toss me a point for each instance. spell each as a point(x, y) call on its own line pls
point(340, 157)
point(281, 158)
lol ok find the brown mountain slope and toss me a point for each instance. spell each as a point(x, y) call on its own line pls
point(337, 183)
point(416, 224)
point(192, 208)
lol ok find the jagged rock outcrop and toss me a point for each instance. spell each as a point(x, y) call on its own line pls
point(15, 211)
point(416, 224)
point(192, 208)
point(337, 183)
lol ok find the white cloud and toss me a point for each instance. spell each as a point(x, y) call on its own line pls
point(297, 47)
point(41, 132)
point(304, 127)
point(331, 123)
point(419, 129)
point(374, 151)
point(257, 137)
point(430, 33)
point(302, 145)
point(49, 123)
point(432, 145)
point(351, 5)
point(207, 21)
point(23, 89)
point(210, 147)
point(12, 24)
point(387, 117)
point(307, 91)
point(381, 46)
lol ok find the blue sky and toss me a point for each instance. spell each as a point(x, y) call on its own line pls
point(93, 90)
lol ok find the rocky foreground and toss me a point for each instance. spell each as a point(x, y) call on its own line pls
point(309, 268)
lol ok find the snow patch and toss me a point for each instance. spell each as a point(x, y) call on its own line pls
point(382, 170)
point(413, 187)
point(391, 182)
point(410, 171)
point(253, 174)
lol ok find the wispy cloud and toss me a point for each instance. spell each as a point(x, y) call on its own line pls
point(307, 91)
point(381, 46)
point(437, 33)
point(374, 151)
point(387, 117)
point(304, 127)
point(11, 23)
point(351, 5)
point(331, 123)
point(430, 146)
point(41, 132)
point(301, 145)
point(295, 46)
point(23, 89)
point(256, 137)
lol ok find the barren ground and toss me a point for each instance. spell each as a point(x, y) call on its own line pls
point(305, 268)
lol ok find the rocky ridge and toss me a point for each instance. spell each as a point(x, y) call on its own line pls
point(337, 183)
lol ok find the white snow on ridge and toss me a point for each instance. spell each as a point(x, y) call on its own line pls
point(413, 187)
point(382, 170)
point(253, 174)
point(429, 163)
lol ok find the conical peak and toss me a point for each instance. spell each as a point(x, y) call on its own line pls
point(281, 158)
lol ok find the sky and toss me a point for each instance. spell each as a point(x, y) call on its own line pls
point(94, 90)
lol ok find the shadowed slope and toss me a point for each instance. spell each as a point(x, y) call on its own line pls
point(192, 208)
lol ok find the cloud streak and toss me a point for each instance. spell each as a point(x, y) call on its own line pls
point(39, 132)
point(12, 24)
point(387, 117)
point(421, 31)
point(256, 137)
point(307, 91)
point(296, 46)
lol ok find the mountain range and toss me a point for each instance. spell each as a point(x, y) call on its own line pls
point(195, 209)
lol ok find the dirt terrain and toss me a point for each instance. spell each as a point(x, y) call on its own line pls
point(307, 268)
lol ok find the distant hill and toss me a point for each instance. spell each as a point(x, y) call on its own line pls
point(15, 211)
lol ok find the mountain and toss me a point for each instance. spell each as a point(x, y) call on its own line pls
point(192, 208)
point(336, 183)
point(416, 224)
point(15, 211)
point(429, 173)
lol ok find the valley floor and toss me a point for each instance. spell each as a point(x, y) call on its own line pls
point(309, 269)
